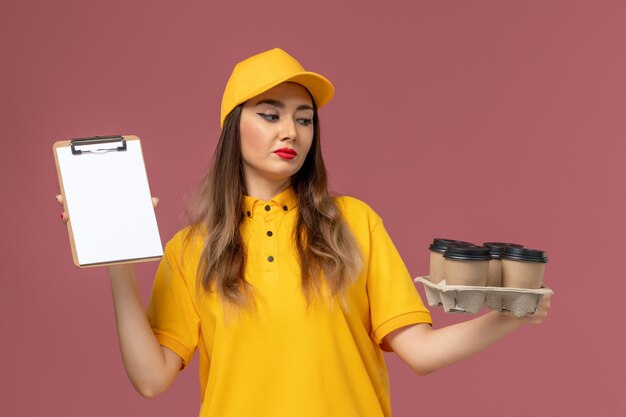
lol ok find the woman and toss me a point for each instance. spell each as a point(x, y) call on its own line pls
point(289, 296)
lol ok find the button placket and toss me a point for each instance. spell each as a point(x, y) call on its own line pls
point(270, 244)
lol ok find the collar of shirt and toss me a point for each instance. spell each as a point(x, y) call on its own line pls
point(284, 202)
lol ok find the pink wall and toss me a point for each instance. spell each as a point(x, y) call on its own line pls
point(490, 120)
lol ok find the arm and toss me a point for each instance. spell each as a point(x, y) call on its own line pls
point(426, 350)
point(150, 367)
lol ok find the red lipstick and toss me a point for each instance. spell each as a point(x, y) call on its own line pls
point(286, 153)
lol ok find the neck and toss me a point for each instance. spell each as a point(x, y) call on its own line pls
point(264, 189)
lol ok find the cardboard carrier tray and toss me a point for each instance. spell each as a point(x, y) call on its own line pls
point(470, 299)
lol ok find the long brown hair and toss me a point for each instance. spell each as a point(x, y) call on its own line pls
point(327, 251)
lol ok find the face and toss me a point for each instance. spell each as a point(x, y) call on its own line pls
point(276, 130)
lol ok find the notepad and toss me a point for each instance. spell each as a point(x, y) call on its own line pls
point(107, 197)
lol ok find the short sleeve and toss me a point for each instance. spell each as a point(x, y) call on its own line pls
point(171, 310)
point(394, 300)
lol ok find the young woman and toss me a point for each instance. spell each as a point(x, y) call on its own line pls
point(289, 295)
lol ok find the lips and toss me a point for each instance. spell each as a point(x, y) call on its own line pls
point(286, 153)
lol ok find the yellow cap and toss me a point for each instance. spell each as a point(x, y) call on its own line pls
point(266, 70)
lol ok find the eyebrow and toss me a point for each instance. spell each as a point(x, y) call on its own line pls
point(281, 105)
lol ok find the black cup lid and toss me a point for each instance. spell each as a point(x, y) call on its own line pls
point(496, 248)
point(524, 254)
point(440, 244)
point(467, 253)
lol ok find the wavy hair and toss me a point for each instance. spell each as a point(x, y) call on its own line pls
point(328, 254)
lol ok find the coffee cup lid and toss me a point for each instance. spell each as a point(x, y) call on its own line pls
point(496, 248)
point(467, 253)
point(440, 244)
point(524, 254)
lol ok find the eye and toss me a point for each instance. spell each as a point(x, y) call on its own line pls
point(304, 121)
point(269, 117)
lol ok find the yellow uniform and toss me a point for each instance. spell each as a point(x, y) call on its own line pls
point(284, 358)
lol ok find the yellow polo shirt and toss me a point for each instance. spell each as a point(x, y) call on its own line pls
point(284, 359)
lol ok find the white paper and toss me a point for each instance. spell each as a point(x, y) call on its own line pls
point(109, 205)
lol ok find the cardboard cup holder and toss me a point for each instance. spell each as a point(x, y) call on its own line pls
point(469, 299)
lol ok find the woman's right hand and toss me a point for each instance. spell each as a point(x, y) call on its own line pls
point(150, 367)
point(64, 217)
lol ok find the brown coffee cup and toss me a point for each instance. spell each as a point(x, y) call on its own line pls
point(466, 265)
point(437, 249)
point(522, 267)
point(494, 275)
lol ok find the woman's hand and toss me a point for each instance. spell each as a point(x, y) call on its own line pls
point(426, 349)
point(540, 313)
point(65, 218)
point(150, 367)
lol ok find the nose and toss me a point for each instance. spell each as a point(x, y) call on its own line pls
point(288, 131)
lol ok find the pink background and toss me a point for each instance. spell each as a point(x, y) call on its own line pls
point(483, 120)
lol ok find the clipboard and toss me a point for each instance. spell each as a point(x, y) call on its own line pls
point(107, 197)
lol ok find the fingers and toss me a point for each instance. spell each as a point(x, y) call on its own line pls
point(64, 216)
point(541, 312)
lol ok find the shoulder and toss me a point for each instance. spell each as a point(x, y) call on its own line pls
point(357, 213)
point(185, 242)
point(352, 205)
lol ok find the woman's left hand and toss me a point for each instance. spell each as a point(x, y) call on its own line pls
point(540, 313)
point(426, 349)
